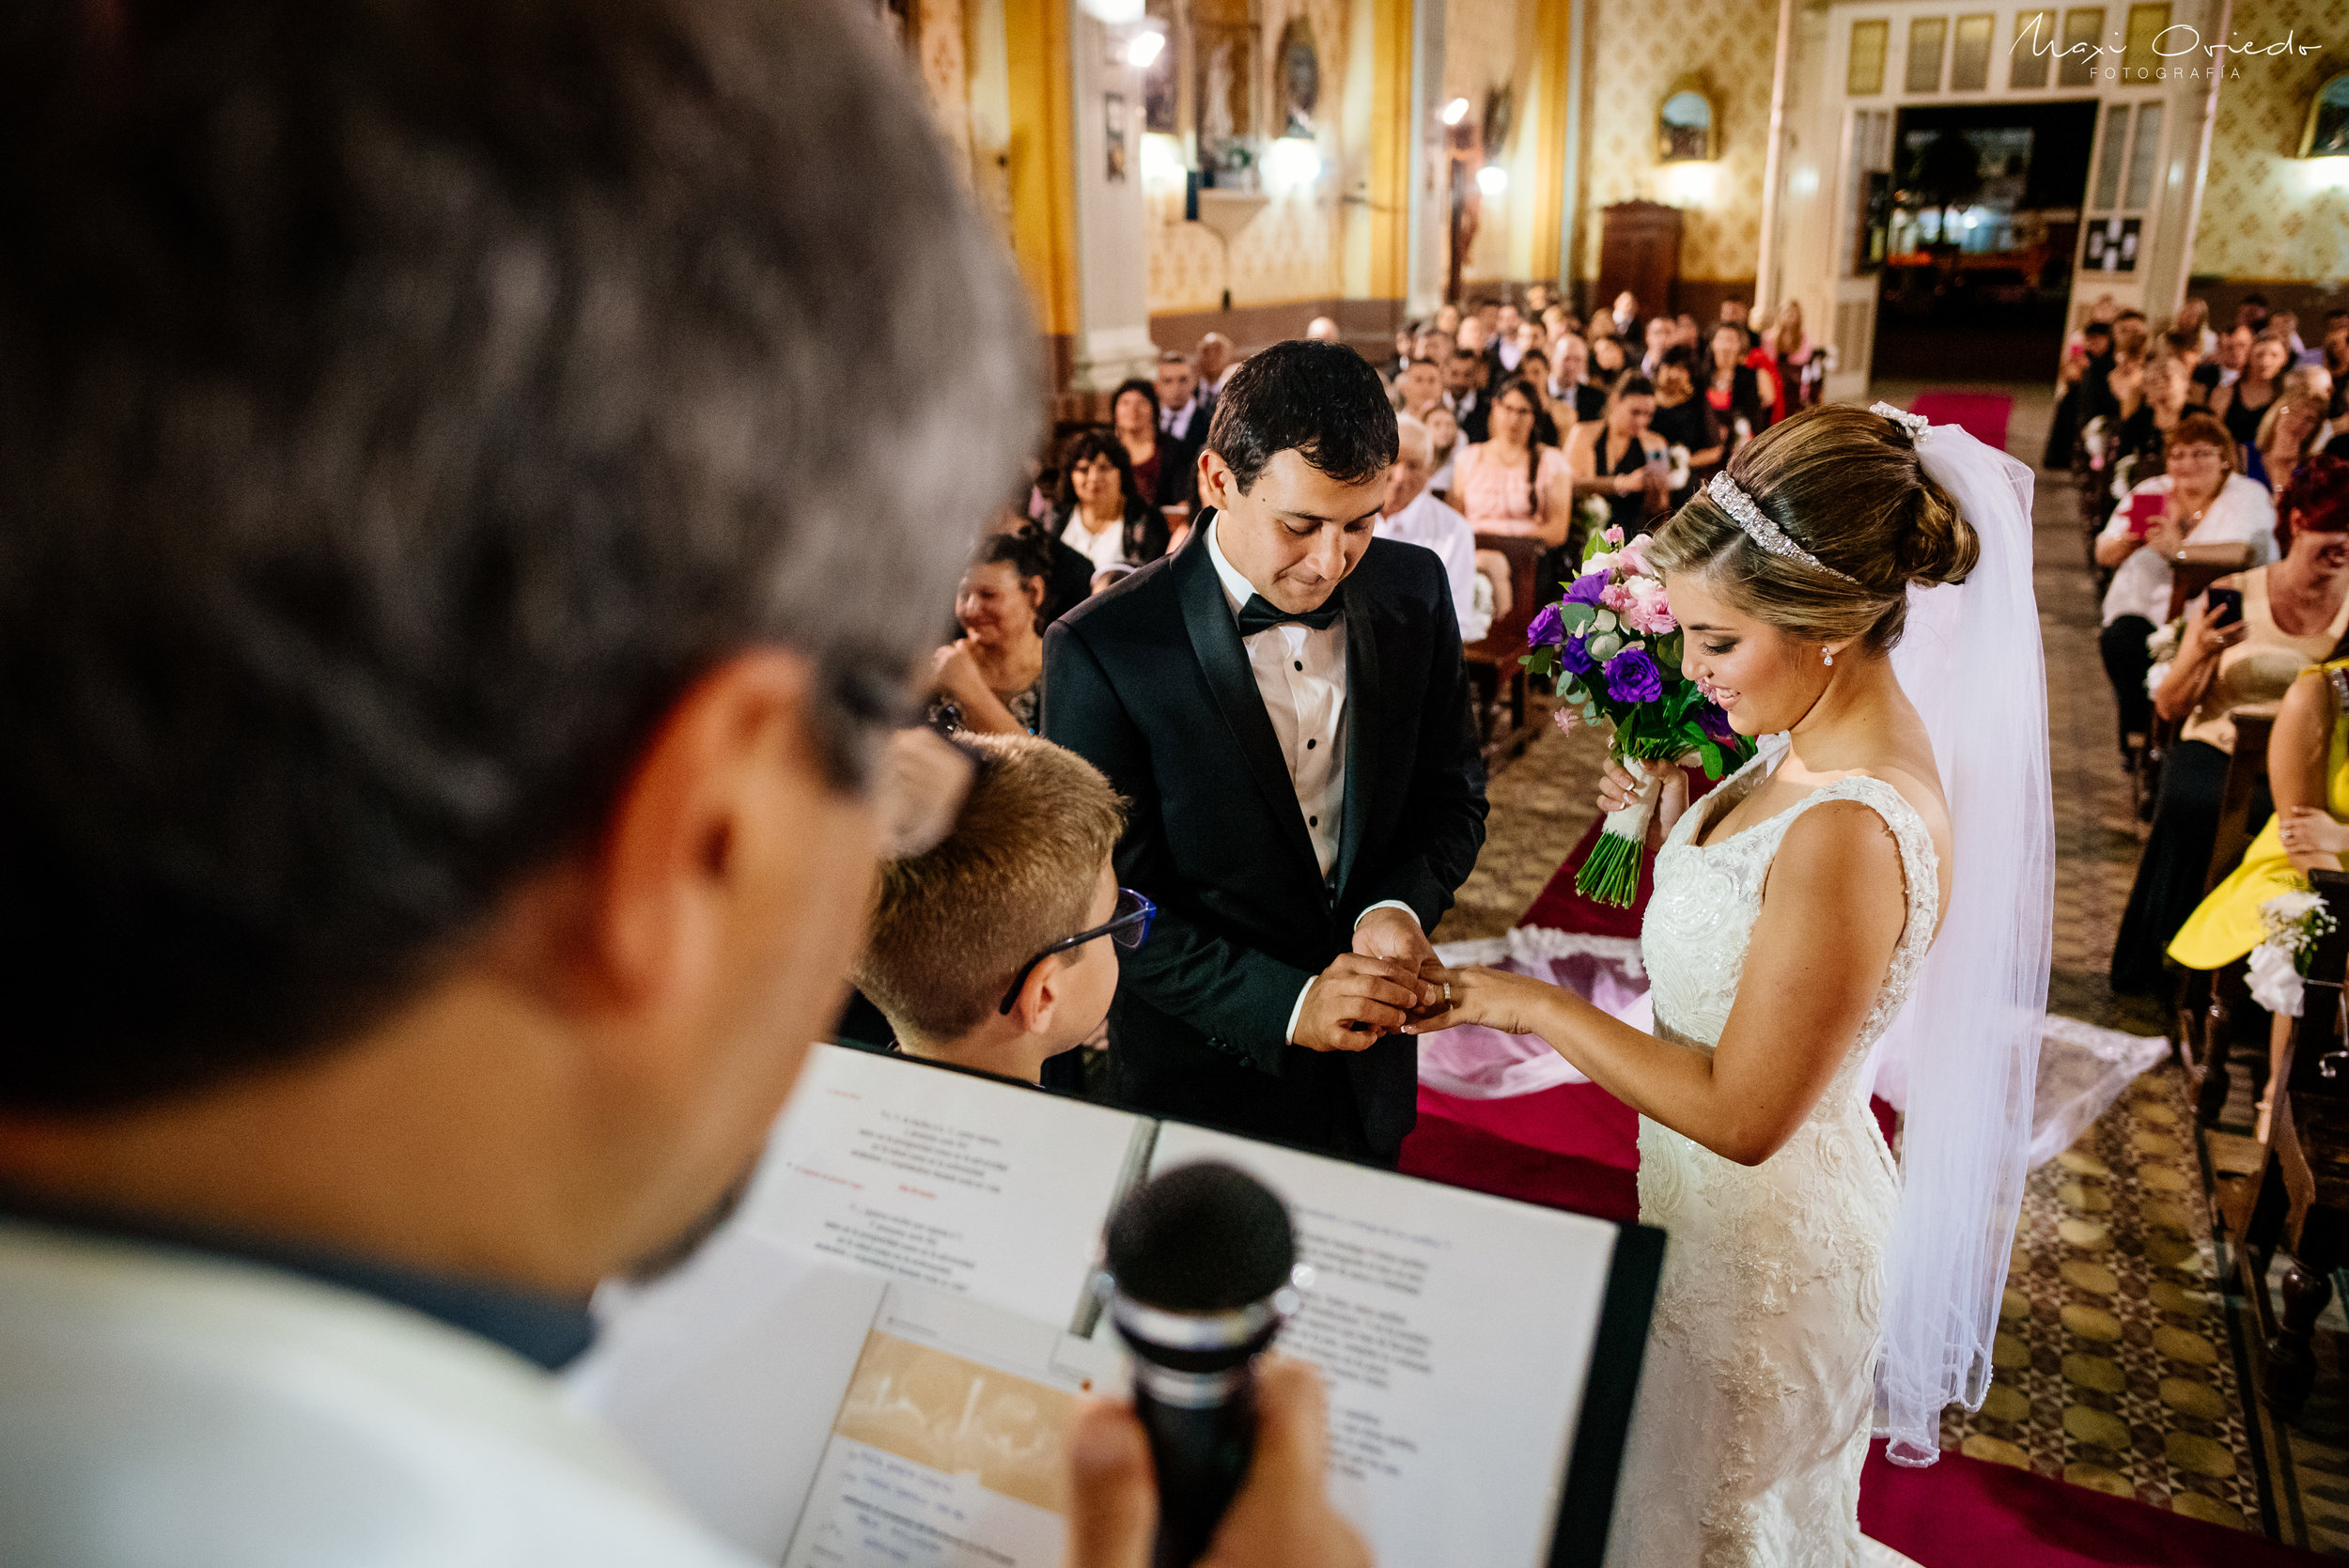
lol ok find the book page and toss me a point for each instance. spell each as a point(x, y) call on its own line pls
point(987, 1188)
point(950, 1447)
point(1453, 1332)
point(724, 1378)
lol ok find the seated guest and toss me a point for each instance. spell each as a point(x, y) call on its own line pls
point(1570, 377)
point(1513, 482)
point(1214, 362)
point(1444, 433)
point(452, 607)
point(2153, 400)
point(1507, 348)
point(1182, 419)
point(1321, 329)
point(1068, 574)
point(1801, 364)
point(2294, 612)
point(1607, 364)
point(1533, 370)
point(1413, 516)
point(990, 679)
point(1464, 379)
point(2201, 503)
point(2243, 405)
point(1662, 332)
point(1162, 466)
point(2289, 435)
point(1102, 515)
point(1737, 313)
point(2222, 366)
point(997, 948)
point(1619, 457)
point(1624, 319)
point(1448, 321)
point(1419, 388)
point(1685, 420)
point(1743, 396)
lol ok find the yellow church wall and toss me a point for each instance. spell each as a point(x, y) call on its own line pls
point(2268, 214)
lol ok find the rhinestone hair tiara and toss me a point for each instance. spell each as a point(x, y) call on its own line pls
point(1915, 424)
point(1761, 530)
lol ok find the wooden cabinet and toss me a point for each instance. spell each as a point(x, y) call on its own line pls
point(1639, 249)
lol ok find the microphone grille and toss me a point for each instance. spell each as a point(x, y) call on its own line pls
point(1206, 1237)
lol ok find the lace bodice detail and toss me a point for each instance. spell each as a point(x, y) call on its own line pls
point(1752, 1417)
point(1708, 897)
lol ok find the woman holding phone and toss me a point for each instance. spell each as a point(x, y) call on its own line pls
point(2201, 507)
point(2245, 643)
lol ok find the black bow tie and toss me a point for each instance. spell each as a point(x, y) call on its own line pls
point(1260, 615)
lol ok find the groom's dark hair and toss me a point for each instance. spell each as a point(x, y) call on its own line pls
point(1320, 400)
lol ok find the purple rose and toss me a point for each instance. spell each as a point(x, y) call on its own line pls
point(1632, 677)
point(1587, 588)
point(1574, 657)
point(1548, 628)
point(1715, 723)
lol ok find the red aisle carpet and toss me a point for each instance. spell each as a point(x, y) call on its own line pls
point(1982, 413)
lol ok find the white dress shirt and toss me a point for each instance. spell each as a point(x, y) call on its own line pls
point(1176, 422)
point(1300, 674)
point(1105, 549)
point(1510, 355)
point(1429, 522)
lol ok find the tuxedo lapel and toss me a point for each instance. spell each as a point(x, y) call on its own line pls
point(1215, 642)
point(1362, 730)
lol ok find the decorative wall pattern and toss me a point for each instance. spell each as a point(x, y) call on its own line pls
point(939, 52)
point(2262, 216)
point(1289, 251)
point(1637, 53)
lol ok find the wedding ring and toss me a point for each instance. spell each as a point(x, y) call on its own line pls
point(1447, 992)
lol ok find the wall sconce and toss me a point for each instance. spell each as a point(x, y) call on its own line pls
point(1144, 49)
point(1492, 179)
point(1456, 110)
point(1688, 184)
point(1292, 161)
point(1162, 160)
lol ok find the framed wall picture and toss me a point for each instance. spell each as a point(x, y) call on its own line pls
point(1114, 135)
point(2327, 134)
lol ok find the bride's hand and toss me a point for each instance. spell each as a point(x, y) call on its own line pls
point(1618, 785)
point(1512, 1003)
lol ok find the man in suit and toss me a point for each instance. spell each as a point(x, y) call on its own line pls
point(1285, 704)
point(1466, 378)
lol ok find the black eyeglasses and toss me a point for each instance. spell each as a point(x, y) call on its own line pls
point(1129, 927)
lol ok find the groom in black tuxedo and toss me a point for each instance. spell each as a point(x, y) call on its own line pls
point(1285, 704)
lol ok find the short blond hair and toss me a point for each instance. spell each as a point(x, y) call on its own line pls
point(1017, 874)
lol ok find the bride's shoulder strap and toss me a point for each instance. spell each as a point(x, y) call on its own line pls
point(1920, 862)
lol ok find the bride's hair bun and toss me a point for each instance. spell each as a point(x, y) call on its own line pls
point(1846, 485)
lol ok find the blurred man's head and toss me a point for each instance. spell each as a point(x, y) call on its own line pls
point(464, 544)
point(2129, 334)
point(1421, 384)
point(1323, 330)
point(1177, 380)
point(1662, 332)
point(1627, 307)
point(1296, 466)
point(1465, 371)
point(1215, 356)
point(968, 958)
point(1414, 459)
point(1735, 310)
point(1573, 358)
point(1473, 335)
point(1508, 322)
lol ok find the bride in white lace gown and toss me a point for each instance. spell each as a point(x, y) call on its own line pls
point(1793, 910)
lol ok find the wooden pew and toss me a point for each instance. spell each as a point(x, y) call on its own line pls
point(2208, 999)
point(1493, 660)
point(2299, 1199)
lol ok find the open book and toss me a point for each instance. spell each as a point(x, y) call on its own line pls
point(874, 1360)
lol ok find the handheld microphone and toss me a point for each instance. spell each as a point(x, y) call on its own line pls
point(1202, 1273)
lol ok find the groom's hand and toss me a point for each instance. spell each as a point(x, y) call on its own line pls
point(1356, 1000)
point(1393, 933)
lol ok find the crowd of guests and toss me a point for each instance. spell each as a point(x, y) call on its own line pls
point(2214, 477)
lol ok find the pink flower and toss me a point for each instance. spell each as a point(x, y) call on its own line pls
point(1612, 536)
point(1565, 719)
point(1617, 596)
point(1648, 610)
point(1634, 557)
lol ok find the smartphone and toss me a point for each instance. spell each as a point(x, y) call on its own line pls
point(2226, 605)
point(2144, 511)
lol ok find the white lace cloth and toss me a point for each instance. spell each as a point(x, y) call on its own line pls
point(1754, 1402)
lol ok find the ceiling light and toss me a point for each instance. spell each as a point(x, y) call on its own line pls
point(1142, 53)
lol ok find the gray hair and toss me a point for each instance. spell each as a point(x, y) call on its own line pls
point(1412, 436)
point(399, 407)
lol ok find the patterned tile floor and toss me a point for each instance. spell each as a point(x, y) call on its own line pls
point(2119, 1361)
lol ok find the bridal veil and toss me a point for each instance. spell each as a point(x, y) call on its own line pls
point(1960, 1062)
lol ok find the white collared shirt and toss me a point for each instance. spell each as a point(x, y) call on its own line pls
point(1429, 522)
point(1176, 422)
point(1510, 355)
point(1300, 674)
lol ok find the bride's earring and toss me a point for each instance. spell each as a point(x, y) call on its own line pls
point(1825, 656)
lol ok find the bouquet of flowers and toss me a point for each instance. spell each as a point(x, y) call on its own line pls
point(2280, 965)
point(1615, 650)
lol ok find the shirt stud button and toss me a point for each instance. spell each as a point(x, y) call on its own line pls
point(1311, 744)
point(1312, 822)
point(1299, 662)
